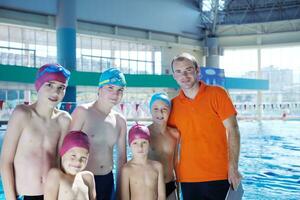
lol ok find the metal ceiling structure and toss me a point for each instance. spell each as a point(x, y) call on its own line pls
point(234, 22)
point(215, 13)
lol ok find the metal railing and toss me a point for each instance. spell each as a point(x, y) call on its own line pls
point(139, 111)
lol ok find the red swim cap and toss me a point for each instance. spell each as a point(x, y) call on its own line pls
point(138, 131)
point(51, 72)
point(74, 139)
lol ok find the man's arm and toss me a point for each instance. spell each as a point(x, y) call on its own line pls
point(122, 159)
point(125, 187)
point(161, 190)
point(15, 127)
point(233, 138)
point(176, 135)
point(52, 185)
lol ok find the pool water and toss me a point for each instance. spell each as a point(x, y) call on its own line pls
point(269, 161)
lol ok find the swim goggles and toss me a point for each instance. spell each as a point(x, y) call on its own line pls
point(55, 68)
point(114, 81)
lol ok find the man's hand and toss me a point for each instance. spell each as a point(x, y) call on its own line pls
point(234, 177)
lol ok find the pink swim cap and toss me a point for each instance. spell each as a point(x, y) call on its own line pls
point(74, 139)
point(51, 72)
point(138, 131)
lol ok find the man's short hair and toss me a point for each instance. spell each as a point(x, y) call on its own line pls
point(185, 56)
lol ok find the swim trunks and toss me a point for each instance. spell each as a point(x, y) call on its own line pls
point(170, 187)
point(105, 186)
point(38, 197)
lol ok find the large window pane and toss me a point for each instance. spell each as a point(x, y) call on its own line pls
point(238, 62)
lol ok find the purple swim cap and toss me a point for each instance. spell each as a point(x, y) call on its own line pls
point(51, 72)
point(138, 131)
point(74, 139)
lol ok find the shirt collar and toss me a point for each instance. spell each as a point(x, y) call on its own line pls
point(199, 93)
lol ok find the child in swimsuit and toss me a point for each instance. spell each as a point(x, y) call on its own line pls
point(108, 129)
point(164, 141)
point(141, 178)
point(71, 182)
point(34, 133)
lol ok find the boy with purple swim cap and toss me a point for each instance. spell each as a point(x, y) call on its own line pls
point(108, 129)
point(134, 172)
point(71, 182)
point(138, 131)
point(74, 139)
point(51, 72)
point(37, 130)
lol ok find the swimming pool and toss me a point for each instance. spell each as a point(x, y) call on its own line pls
point(270, 159)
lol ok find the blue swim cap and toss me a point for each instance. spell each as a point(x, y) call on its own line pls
point(160, 96)
point(112, 76)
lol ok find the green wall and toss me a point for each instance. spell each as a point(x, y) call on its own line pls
point(11, 73)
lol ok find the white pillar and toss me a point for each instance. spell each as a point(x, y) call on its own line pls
point(259, 76)
point(212, 51)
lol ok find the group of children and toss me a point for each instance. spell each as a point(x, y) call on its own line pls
point(45, 150)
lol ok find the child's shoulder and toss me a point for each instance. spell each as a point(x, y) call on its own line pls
point(155, 163)
point(24, 108)
point(127, 165)
point(23, 111)
point(173, 132)
point(55, 173)
point(120, 118)
point(127, 168)
point(117, 114)
point(84, 107)
point(63, 116)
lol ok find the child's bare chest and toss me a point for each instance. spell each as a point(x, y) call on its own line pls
point(162, 145)
point(103, 129)
point(38, 134)
point(147, 176)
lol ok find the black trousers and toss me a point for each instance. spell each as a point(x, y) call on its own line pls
point(211, 190)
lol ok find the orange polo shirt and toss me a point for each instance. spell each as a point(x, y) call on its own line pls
point(203, 150)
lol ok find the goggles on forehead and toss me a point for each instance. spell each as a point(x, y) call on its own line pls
point(55, 68)
point(114, 81)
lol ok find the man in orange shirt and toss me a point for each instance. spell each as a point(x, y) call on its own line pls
point(210, 139)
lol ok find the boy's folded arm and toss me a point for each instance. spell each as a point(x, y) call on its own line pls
point(89, 180)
